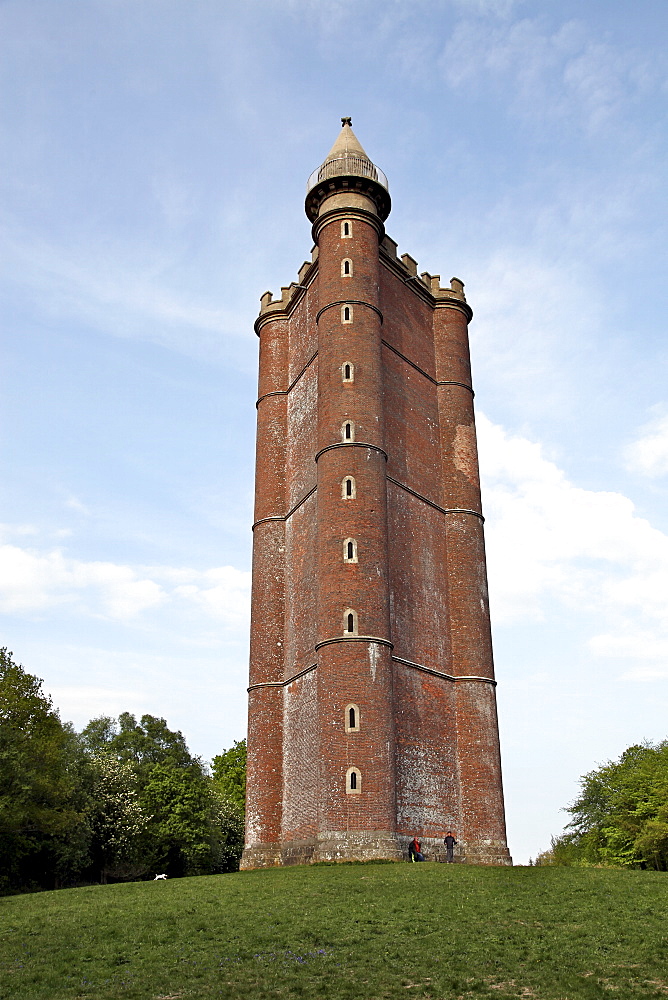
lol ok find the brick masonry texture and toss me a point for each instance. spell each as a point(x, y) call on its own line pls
point(427, 748)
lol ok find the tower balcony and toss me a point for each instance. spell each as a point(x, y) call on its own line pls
point(347, 173)
point(346, 166)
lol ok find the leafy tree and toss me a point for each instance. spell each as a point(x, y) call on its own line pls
point(621, 815)
point(181, 836)
point(228, 824)
point(229, 774)
point(43, 832)
point(116, 818)
point(145, 743)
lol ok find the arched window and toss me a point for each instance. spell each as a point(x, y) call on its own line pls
point(348, 372)
point(346, 314)
point(346, 267)
point(351, 718)
point(353, 781)
point(348, 488)
point(346, 229)
point(348, 431)
point(350, 550)
point(350, 622)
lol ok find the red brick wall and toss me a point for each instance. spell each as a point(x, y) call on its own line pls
point(427, 747)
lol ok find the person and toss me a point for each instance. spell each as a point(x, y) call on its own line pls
point(449, 842)
point(415, 850)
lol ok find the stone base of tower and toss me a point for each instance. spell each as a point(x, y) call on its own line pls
point(368, 845)
point(481, 853)
point(357, 845)
point(332, 845)
point(261, 856)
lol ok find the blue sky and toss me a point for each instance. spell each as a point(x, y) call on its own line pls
point(155, 155)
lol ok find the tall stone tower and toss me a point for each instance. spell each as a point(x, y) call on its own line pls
point(372, 711)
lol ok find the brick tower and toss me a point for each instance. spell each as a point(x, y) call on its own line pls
point(372, 710)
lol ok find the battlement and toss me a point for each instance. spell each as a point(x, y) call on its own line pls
point(426, 281)
point(269, 304)
point(432, 282)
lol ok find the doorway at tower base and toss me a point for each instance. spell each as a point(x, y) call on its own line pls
point(367, 845)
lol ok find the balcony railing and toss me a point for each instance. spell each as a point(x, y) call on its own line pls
point(347, 166)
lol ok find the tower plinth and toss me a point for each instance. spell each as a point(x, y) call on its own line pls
point(372, 713)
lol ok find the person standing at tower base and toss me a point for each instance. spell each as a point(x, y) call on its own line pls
point(449, 842)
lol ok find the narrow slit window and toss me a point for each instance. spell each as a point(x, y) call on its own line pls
point(348, 488)
point(348, 372)
point(346, 314)
point(348, 431)
point(351, 718)
point(346, 267)
point(350, 622)
point(346, 229)
point(353, 781)
point(350, 550)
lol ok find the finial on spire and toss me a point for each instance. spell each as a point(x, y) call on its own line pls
point(346, 121)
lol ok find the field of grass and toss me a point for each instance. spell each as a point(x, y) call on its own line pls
point(340, 932)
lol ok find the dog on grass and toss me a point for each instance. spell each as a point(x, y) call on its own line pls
point(158, 877)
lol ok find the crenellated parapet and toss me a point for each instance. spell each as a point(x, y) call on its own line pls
point(426, 285)
point(291, 294)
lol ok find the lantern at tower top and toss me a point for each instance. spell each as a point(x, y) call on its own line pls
point(347, 168)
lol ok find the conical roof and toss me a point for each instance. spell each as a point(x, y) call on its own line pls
point(345, 166)
point(347, 143)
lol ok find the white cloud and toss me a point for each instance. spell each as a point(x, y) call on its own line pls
point(127, 290)
point(550, 541)
point(521, 326)
point(546, 73)
point(33, 581)
point(635, 645)
point(77, 505)
point(648, 454)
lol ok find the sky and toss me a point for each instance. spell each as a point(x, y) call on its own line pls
point(155, 155)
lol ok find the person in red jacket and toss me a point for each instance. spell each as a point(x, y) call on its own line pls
point(415, 850)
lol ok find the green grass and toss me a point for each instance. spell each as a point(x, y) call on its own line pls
point(349, 931)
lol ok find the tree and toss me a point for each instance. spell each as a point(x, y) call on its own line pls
point(229, 780)
point(43, 832)
point(228, 825)
point(181, 835)
point(621, 815)
point(116, 818)
point(229, 774)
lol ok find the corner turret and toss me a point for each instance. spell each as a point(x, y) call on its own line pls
point(347, 171)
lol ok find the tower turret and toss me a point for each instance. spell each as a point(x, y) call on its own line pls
point(347, 170)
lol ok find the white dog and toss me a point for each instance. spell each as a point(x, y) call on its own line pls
point(157, 877)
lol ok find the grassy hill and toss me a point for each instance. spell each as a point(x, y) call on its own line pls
point(349, 931)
